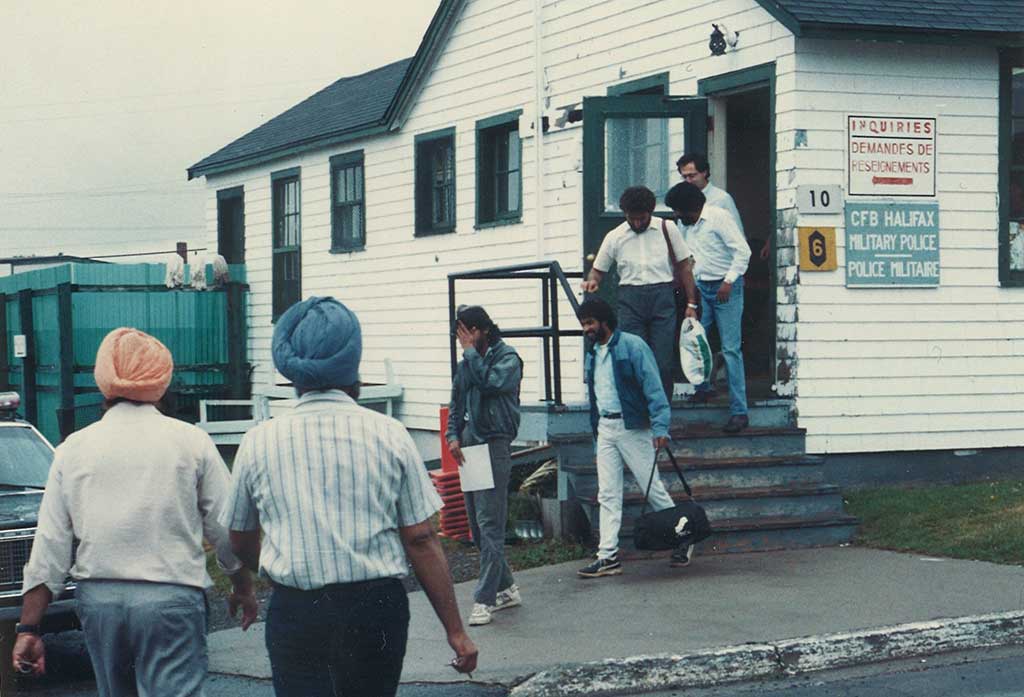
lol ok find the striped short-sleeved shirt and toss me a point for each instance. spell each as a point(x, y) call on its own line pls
point(329, 485)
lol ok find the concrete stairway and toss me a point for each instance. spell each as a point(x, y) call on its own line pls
point(760, 489)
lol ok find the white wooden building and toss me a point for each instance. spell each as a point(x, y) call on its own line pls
point(383, 184)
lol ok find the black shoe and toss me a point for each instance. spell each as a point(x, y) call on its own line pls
point(601, 567)
point(737, 422)
point(700, 397)
point(682, 556)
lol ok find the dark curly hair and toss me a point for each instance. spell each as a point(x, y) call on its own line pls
point(596, 308)
point(637, 199)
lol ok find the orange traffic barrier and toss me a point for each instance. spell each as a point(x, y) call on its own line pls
point(454, 520)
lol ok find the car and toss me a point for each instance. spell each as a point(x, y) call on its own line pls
point(25, 458)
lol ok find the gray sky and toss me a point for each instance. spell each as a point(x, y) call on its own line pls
point(105, 103)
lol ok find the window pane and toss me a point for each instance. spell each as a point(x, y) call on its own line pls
point(513, 193)
point(502, 188)
point(358, 187)
point(514, 151)
point(1017, 142)
point(639, 152)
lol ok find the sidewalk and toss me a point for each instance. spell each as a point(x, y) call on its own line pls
point(718, 601)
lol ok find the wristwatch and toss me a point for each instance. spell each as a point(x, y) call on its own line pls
point(691, 306)
point(20, 628)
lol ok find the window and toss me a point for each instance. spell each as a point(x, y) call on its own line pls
point(639, 151)
point(435, 182)
point(499, 176)
point(287, 240)
point(1011, 164)
point(348, 205)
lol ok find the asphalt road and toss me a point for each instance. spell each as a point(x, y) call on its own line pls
point(983, 673)
point(226, 686)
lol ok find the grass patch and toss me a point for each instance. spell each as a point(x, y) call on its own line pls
point(964, 521)
point(526, 555)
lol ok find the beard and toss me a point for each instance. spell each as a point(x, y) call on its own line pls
point(598, 335)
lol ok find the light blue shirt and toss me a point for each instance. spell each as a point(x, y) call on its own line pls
point(329, 485)
point(604, 382)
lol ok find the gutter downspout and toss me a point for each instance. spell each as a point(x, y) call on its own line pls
point(538, 141)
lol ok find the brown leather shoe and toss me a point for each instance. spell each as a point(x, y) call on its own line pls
point(737, 422)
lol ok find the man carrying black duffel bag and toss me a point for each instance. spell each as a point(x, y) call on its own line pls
point(630, 417)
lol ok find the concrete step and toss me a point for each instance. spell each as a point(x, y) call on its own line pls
point(706, 442)
point(768, 414)
point(731, 472)
point(727, 503)
point(739, 472)
point(763, 534)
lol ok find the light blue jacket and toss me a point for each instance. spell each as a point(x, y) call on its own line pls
point(638, 383)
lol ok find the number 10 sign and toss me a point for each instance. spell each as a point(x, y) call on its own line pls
point(819, 199)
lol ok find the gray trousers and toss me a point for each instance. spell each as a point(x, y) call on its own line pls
point(650, 313)
point(146, 639)
point(487, 512)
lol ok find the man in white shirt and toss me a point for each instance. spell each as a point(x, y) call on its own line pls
point(721, 256)
point(694, 168)
point(140, 491)
point(645, 249)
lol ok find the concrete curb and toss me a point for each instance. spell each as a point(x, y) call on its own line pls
point(775, 660)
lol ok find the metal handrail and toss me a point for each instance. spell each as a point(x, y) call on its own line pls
point(552, 276)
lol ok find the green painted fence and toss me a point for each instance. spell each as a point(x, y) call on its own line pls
point(65, 311)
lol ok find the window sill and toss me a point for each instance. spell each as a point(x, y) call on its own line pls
point(347, 250)
point(501, 222)
point(434, 231)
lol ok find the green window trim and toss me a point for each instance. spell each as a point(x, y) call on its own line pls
point(348, 202)
point(1011, 165)
point(652, 84)
point(499, 171)
point(435, 182)
point(286, 240)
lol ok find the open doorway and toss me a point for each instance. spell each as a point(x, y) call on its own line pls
point(748, 168)
point(742, 159)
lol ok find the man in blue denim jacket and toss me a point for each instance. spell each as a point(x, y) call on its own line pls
point(630, 417)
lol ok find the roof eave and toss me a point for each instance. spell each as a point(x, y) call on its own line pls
point(430, 47)
point(296, 148)
point(848, 32)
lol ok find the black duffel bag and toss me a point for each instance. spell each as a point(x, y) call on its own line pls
point(685, 523)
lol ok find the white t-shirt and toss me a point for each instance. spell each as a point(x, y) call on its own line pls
point(642, 257)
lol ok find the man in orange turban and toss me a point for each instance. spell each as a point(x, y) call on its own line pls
point(142, 490)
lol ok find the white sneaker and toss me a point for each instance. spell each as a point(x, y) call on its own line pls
point(481, 615)
point(507, 598)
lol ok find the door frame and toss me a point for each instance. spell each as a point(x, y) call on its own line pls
point(232, 194)
point(738, 81)
point(597, 110)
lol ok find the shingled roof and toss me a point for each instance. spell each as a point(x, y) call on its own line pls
point(810, 17)
point(352, 105)
point(377, 101)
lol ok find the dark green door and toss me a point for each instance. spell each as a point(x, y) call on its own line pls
point(633, 141)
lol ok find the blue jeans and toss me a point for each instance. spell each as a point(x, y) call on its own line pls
point(729, 317)
point(341, 640)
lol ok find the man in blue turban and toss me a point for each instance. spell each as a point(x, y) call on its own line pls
point(343, 499)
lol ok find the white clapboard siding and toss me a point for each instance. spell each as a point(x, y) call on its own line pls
point(903, 369)
point(398, 284)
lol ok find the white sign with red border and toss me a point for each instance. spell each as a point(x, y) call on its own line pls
point(890, 155)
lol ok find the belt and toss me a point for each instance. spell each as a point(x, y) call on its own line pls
point(710, 280)
point(613, 415)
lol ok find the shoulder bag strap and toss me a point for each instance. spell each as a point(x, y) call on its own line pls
point(654, 468)
point(668, 243)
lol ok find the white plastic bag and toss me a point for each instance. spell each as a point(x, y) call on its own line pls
point(694, 352)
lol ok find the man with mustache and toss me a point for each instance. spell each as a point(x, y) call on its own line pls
point(640, 247)
point(630, 417)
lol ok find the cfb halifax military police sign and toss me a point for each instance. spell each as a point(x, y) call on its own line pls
point(892, 244)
